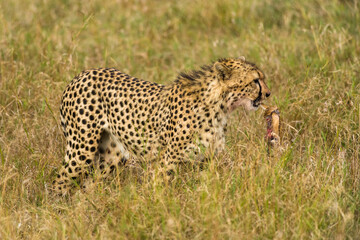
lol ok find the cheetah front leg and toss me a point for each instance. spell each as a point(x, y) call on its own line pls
point(196, 150)
point(169, 163)
point(180, 149)
point(176, 157)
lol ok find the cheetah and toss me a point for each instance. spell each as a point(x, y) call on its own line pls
point(109, 118)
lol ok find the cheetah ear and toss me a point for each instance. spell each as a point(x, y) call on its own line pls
point(242, 58)
point(223, 71)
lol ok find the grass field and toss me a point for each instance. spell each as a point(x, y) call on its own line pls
point(310, 52)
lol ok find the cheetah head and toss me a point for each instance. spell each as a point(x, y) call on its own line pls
point(242, 83)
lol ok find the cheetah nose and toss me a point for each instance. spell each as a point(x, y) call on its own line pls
point(268, 94)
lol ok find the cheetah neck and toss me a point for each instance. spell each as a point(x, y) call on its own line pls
point(203, 87)
point(205, 99)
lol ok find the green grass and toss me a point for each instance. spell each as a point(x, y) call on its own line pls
point(310, 52)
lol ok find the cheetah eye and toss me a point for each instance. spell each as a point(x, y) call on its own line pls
point(256, 81)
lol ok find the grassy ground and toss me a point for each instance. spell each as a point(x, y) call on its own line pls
point(310, 51)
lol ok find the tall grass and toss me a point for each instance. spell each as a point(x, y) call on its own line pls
point(310, 52)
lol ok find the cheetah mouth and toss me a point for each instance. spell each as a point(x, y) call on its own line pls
point(256, 103)
point(247, 103)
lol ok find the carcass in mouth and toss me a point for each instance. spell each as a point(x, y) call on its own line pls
point(272, 117)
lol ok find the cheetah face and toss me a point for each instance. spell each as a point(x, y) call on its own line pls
point(243, 83)
point(253, 93)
